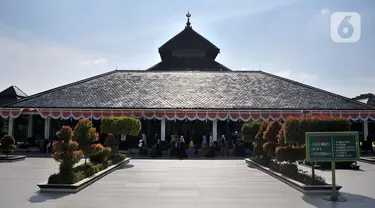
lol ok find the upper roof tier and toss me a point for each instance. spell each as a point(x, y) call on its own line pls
point(189, 40)
point(10, 94)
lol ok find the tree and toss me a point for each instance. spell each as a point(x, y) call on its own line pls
point(259, 141)
point(66, 152)
point(249, 130)
point(7, 145)
point(117, 126)
point(269, 149)
point(281, 136)
point(262, 129)
point(85, 134)
point(101, 154)
point(272, 131)
point(112, 142)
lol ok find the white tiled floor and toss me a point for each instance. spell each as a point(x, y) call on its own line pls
point(163, 183)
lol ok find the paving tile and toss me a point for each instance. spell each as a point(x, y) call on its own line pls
point(175, 183)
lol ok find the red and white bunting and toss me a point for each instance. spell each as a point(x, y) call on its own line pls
point(191, 115)
point(180, 115)
point(202, 115)
point(97, 114)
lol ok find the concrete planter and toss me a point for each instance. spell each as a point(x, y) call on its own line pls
point(370, 160)
point(11, 158)
point(73, 188)
point(293, 183)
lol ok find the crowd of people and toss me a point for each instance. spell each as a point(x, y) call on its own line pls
point(182, 147)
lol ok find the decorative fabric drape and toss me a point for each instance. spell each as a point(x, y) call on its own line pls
point(202, 115)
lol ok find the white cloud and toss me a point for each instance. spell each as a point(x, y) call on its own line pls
point(36, 66)
point(324, 11)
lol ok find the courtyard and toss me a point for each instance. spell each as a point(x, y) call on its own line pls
point(177, 183)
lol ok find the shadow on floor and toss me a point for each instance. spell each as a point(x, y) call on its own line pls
point(251, 166)
point(350, 200)
point(40, 197)
point(127, 166)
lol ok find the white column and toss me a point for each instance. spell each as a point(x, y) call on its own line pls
point(11, 126)
point(162, 131)
point(214, 130)
point(47, 127)
point(30, 126)
point(365, 129)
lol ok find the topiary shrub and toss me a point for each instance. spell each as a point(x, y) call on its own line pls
point(54, 179)
point(249, 131)
point(88, 169)
point(262, 129)
point(101, 155)
point(272, 130)
point(85, 134)
point(112, 143)
point(7, 145)
point(281, 136)
point(290, 153)
point(259, 141)
point(119, 125)
point(269, 149)
point(118, 158)
point(67, 153)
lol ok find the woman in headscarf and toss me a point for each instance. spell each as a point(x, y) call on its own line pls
point(157, 145)
point(173, 152)
point(204, 142)
point(142, 148)
point(191, 150)
point(223, 146)
point(182, 149)
point(211, 145)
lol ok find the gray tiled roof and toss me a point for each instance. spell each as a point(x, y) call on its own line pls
point(188, 39)
point(368, 98)
point(210, 90)
point(11, 94)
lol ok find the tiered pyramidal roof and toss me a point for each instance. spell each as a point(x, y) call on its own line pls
point(188, 51)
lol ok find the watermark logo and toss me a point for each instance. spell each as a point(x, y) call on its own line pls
point(345, 27)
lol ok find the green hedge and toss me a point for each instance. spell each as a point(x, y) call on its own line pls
point(295, 128)
point(83, 171)
point(290, 154)
point(120, 125)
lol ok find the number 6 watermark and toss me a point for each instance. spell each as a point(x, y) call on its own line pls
point(345, 27)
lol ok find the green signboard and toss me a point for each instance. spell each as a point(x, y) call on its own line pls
point(332, 146)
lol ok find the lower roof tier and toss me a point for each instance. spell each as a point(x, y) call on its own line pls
point(188, 90)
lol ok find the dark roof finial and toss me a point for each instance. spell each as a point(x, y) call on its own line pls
point(188, 15)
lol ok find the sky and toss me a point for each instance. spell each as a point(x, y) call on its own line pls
point(47, 43)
